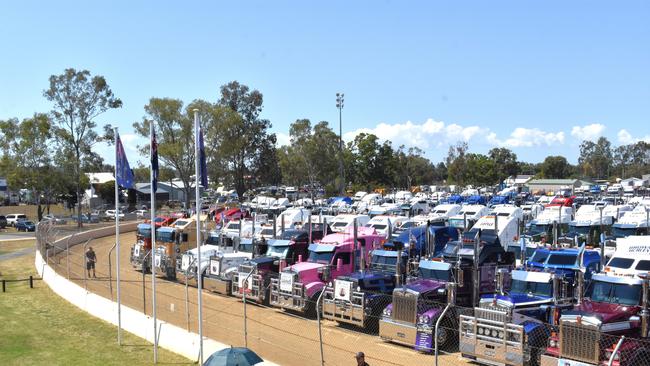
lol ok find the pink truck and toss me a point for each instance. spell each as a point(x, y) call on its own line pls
point(298, 287)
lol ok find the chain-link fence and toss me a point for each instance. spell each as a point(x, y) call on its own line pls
point(390, 327)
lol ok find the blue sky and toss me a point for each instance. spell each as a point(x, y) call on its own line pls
point(535, 77)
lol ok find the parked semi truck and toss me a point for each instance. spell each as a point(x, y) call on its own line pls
point(467, 268)
point(141, 250)
point(509, 328)
point(171, 241)
point(299, 286)
point(360, 297)
point(614, 306)
point(290, 248)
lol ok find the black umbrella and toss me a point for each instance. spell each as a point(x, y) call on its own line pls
point(233, 356)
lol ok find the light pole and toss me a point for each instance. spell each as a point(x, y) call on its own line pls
point(339, 105)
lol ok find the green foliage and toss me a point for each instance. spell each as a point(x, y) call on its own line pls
point(556, 167)
point(78, 99)
point(505, 163)
point(175, 137)
point(456, 163)
point(596, 158)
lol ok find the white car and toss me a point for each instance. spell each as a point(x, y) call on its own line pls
point(54, 219)
point(111, 213)
point(139, 213)
point(13, 218)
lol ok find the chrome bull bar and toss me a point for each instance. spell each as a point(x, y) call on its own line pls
point(139, 261)
point(255, 290)
point(218, 285)
point(397, 331)
point(295, 300)
point(344, 311)
point(487, 339)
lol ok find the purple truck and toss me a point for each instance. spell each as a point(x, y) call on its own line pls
point(466, 270)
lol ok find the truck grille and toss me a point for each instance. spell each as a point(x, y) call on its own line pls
point(579, 342)
point(494, 314)
point(405, 306)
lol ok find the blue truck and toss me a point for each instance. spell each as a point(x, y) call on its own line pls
point(508, 328)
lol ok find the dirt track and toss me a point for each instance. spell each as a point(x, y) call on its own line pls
point(275, 335)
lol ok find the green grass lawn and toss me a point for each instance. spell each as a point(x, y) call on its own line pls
point(37, 327)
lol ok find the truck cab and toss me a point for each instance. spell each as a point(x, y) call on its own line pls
point(634, 222)
point(587, 226)
point(615, 305)
point(298, 286)
point(360, 298)
point(468, 216)
point(508, 327)
point(384, 224)
point(440, 214)
point(285, 251)
point(223, 264)
point(416, 306)
point(549, 224)
point(140, 258)
point(171, 241)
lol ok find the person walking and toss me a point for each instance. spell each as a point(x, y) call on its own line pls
point(361, 359)
point(91, 258)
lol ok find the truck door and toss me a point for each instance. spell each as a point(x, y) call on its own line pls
point(346, 264)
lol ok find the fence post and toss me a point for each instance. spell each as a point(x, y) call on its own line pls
point(245, 318)
point(144, 297)
point(320, 332)
point(4, 286)
point(67, 259)
point(31, 281)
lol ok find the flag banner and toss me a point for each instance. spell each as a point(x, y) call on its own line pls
point(202, 161)
point(124, 174)
point(154, 160)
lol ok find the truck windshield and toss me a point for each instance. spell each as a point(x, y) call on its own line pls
point(562, 259)
point(277, 251)
point(381, 262)
point(578, 230)
point(539, 257)
point(340, 224)
point(233, 226)
point(166, 236)
point(321, 257)
point(378, 226)
point(620, 232)
point(246, 247)
point(643, 265)
point(408, 224)
point(619, 262)
point(144, 232)
point(614, 293)
point(434, 274)
point(536, 229)
point(532, 288)
point(517, 250)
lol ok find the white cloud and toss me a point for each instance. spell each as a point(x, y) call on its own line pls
point(589, 132)
point(625, 138)
point(282, 139)
point(426, 135)
point(527, 137)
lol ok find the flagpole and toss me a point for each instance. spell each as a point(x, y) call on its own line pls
point(199, 280)
point(117, 242)
point(152, 190)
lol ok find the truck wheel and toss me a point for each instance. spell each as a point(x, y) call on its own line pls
point(447, 335)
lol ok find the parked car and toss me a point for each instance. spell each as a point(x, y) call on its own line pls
point(140, 213)
point(93, 219)
point(12, 218)
point(56, 220)
point(3, 222)
point(25, 225)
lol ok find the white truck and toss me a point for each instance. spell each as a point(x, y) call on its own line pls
point(468, 216)
point(381, 223)
point(341, 223)
point(505, 220)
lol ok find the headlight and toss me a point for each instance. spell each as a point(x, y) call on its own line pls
point(387, 312)
point(552, 343)
point(500, 334)
point(495, 333)
point(424, 319)
point(480, 331)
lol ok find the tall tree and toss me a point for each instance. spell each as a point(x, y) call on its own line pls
point(245, 141)
point(78, 99)
point(555, 167)
point(175, 137)
point(505, 162)
point(596, 158)
point(456, 163)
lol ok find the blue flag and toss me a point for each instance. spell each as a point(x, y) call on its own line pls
point(154, 160)
point(202, 161)
point(124, 174)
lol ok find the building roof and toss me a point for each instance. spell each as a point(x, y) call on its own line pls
point(552, 181)
point(100, 178)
